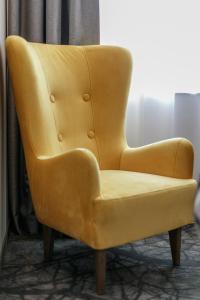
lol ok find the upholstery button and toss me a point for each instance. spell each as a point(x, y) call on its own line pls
point(52, 98)
point(86, 97)
point(60, 137)
point(91, 134)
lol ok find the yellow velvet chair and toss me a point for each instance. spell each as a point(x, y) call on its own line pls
point(85, 180)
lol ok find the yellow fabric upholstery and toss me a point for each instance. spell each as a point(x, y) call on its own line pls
point(85, 181)
point(137, 205)
point(173, 158)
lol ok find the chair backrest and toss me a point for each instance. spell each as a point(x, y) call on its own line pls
point(70, 96)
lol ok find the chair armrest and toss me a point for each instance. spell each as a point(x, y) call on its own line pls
point(63, 187)
point(172, 158)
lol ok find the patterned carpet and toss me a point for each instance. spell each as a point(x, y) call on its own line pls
point(141, 270)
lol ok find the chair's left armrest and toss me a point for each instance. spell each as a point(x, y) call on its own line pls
point(67, 184)
point(172, 158)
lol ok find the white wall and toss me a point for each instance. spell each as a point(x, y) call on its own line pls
point(163, 37)
point(3, 206)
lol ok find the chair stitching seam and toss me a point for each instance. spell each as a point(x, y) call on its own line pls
point(175, 158)
point(92, 108)
point(121, 156)
point(120, 159)
point(48, 89)
point(175, 188)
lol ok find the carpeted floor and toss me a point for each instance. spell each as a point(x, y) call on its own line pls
point(142, 270)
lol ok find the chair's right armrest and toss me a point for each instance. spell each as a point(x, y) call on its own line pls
point(172, 158)
point(65, 185)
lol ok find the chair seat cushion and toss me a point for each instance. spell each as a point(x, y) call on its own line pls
point(135, 205)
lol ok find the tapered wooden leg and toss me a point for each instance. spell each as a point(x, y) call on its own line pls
point(100, 271)
point(175, 243)
point(48, 240)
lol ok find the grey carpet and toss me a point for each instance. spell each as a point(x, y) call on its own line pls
point(141, 270)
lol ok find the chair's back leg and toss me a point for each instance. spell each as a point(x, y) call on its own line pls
point(48, 240)
point(175, 243)
point(100, 271)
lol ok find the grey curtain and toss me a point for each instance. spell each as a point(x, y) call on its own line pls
point(47, 21)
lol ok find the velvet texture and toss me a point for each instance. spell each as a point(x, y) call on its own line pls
point(85, 181)
point(73, 22)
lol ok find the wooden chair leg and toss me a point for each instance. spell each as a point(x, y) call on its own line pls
point(175, 243)
point(48, 240)
point(100, 271)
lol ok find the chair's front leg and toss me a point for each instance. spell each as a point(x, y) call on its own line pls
point(100, 271)
point(175, 243)
point(48, 241)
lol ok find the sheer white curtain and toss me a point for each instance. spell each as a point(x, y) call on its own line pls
point(163, 37)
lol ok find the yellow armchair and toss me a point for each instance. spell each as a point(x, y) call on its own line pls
point(85, 181)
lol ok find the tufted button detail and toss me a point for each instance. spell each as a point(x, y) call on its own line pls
point(86, 97)
point(52, 98)
point(91, 134)
point(60, 137)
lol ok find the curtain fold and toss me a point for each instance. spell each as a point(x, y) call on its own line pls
point(83, 19)
point(46, 21)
